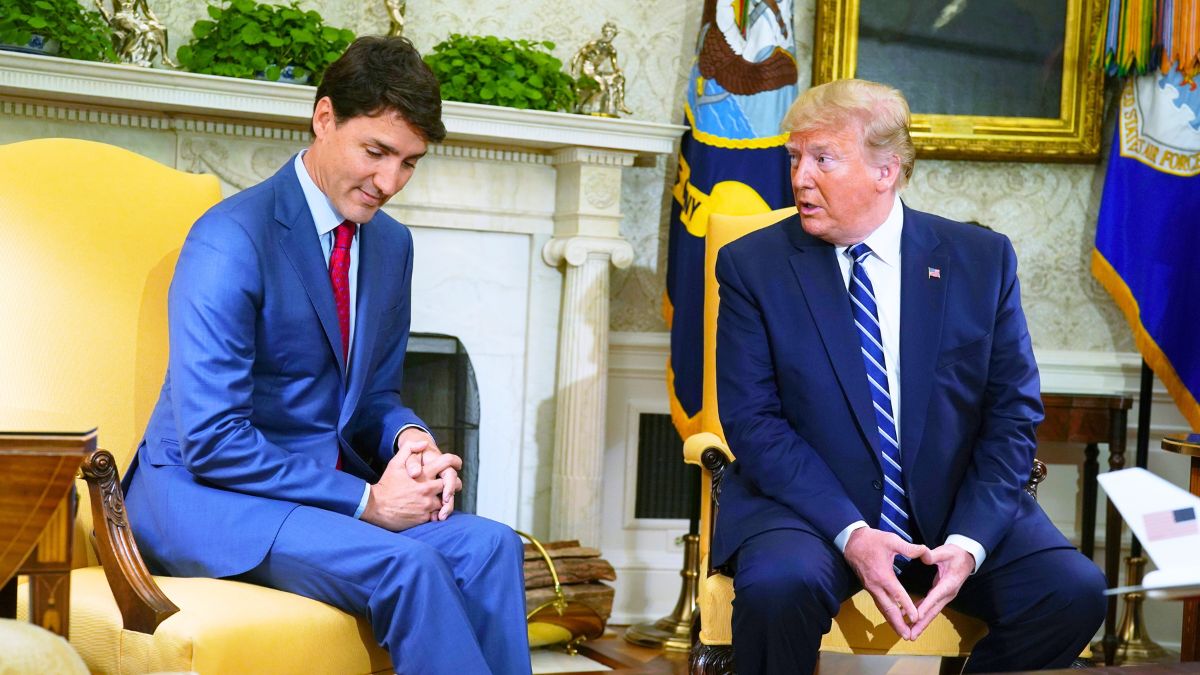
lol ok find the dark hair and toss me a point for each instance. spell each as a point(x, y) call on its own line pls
point(379, 74)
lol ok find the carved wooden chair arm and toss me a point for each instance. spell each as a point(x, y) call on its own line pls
point(1035, 477)
point(143, 604)
point(697, 444)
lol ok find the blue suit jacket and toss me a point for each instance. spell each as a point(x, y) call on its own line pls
point(796, 411)
point(257, 400)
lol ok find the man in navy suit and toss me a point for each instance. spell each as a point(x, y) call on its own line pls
point(876, 383)
point(279, 451)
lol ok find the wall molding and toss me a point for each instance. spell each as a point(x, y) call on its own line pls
point(644, 355)
point(639, 355)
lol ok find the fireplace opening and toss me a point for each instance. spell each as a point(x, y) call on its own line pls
point(439, 386)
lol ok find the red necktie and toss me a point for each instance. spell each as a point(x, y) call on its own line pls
point(339, 276)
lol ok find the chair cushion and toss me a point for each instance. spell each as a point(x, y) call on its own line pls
point(859, 627)
point(222, 627)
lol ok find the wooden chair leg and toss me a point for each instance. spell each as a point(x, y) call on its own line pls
point(708, 659)
point(952, 665)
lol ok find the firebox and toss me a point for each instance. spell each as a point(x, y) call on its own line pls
point(439, 386)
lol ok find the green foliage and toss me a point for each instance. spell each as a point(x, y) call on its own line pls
point(245, 39)
point(514, 73)
point(81, 34)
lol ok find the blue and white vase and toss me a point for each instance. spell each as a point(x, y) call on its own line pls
point(38, 44)
point(287, 75)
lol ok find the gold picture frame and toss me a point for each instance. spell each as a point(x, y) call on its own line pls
point(972, 131)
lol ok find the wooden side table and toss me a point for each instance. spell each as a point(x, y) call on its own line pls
point(1189, 645)
point(37, 516)
point(1091, 420)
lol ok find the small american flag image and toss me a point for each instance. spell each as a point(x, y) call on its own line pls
point(935, 273)
point(1171, 524)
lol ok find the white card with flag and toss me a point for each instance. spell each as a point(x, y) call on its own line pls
point(1166, 519)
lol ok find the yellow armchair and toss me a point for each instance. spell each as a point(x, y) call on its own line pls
point(859, 628)
point(91, 234)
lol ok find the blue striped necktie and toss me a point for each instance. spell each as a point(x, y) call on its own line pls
point(894, 513)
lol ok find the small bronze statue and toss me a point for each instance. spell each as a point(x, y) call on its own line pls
point(395, 12)
point(601, 86)
point(138, 35)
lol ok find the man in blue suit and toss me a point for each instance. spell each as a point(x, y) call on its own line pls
point(877, 385)
point(280, 452)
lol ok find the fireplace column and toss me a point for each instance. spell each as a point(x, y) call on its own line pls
point(586, 241)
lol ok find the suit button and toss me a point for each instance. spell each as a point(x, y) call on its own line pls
point(877, 485)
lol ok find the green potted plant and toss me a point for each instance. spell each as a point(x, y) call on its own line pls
point(60, 27)
point(514, 73)
point(248, 39)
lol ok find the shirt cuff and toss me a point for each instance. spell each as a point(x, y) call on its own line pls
point(406, 427)
point(844, 536)
point(362, 503)
point(970, 546)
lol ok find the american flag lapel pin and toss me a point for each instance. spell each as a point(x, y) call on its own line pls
point(935, 273)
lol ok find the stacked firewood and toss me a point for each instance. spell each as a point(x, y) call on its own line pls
point(581, 571)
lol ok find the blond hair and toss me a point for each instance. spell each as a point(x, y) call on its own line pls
point(880, 109)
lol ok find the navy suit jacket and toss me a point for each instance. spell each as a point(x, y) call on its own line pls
point(794, 404)
point(257, 400)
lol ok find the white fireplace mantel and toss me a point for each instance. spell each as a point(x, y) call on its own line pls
point(171, 92)
point(516, 222)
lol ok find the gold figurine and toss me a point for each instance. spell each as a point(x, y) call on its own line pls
point(601, 87)
point(138, 35)
point(395, 12)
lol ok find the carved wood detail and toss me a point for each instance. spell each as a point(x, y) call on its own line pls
point(714, 461)
point(143, 604)
point(1036, 477)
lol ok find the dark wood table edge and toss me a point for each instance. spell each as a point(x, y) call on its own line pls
point(21, 442)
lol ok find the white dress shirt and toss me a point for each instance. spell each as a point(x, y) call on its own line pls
point(883, 268)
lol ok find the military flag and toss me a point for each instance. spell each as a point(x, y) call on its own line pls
point(731, 160)
point(1148, 231)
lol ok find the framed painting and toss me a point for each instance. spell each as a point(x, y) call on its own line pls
point(985, 79)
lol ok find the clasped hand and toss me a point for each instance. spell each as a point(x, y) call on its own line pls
point(870, 554)
point(418, 485)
